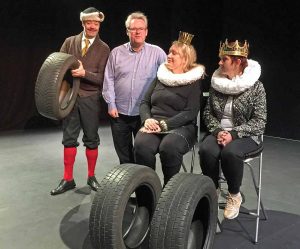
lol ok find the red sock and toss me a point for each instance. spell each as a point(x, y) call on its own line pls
point(69, 159)
point(91, 155)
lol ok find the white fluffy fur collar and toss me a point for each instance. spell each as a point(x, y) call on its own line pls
point(239, 83)
point(168, 78)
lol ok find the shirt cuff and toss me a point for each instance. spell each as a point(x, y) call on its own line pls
point(112, 106)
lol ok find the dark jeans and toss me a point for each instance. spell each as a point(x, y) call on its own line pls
point(85, 115)
point(123, 129)
point(231, 157)
point(171, 148)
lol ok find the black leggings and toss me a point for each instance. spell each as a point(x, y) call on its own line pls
point(171, 148)
point(231, 157)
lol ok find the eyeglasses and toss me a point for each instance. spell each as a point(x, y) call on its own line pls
point(135, 30)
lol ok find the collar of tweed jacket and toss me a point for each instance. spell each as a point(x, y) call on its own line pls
point(238, 84)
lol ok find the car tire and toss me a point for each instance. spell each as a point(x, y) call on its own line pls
point(123, 207)
point(186, 214)
point(56, 90)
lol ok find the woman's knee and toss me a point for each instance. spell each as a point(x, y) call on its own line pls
point(143, 144)
point(170, 150)
point(204, 148)
point(209, 147)
point(173, 144)
point(141, 149)
point(230, 153)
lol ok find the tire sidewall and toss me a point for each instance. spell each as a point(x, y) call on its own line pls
point(110, 202)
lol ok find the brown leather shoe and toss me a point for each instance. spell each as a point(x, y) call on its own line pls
point(63, 186)
point(93, 183)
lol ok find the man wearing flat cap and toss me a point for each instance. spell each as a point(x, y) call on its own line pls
point(92, 54)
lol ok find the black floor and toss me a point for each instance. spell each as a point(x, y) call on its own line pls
point(30, 218)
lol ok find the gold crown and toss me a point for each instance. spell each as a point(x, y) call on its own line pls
point(234, 49)
point(185, 37)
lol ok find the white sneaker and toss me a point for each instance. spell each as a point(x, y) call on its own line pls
point(233, 203)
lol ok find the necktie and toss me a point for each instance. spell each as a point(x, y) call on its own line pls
point(85, 48)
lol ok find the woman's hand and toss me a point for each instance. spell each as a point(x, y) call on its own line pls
point(145, 130)
point(224, 138)
point(152, 125)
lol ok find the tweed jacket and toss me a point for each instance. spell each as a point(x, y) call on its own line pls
point(248, 111)
point(94, 62)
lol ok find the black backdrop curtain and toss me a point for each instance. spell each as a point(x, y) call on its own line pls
point(31, 30)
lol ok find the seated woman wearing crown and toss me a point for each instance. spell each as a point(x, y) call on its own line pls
point(169, 110)
point(235, 115)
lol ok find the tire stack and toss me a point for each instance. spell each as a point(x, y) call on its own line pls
point(129, 211)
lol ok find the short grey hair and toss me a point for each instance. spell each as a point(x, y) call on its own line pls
point(136, 15)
